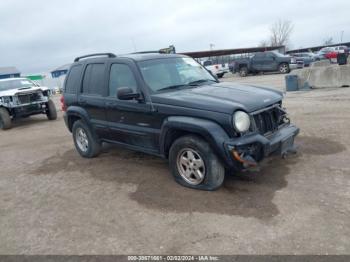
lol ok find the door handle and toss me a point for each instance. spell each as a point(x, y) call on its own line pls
point(82, 101)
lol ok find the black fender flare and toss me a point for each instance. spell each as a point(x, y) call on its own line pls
point(212, 132)
point(78, 112)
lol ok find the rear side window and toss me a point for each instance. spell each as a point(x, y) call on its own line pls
point(73, 80)
point(93, 79)
point(121, 76)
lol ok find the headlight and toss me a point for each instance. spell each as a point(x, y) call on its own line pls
point(6, 99)
point(241, 121)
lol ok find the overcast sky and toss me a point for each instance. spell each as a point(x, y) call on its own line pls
point(40, 35)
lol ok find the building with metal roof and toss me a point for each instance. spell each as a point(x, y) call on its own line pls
point(9, 72)
point(60, 71)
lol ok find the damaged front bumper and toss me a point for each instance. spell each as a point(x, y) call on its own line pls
point(246, 151)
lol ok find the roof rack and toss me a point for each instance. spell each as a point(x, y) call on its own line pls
point(146, 52)
point(167, 50)
point(110, 55)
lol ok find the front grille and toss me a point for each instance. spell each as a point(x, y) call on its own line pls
point(269, 120)
point(29, 98)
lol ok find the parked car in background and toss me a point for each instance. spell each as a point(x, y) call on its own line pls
point(168, 105)
point(306, 58)
point(270, 61)
point(342, 49)
point(331, 52)
point(324, 52)
point(20, 97)
point(216, 69)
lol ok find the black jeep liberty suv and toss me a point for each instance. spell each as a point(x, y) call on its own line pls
point(170, 106)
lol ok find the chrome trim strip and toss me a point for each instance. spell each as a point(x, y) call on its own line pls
point(264, 109)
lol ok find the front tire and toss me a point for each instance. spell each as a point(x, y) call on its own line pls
point(5, 119)
point(85, 142)
point(194, 164)
point(284, 68)
point(51, 111)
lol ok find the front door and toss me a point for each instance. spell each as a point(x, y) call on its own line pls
point(270, 63)
point(130, 121)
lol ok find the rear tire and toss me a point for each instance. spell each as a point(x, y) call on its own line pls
point(85, 142)
point(220, 75)
point(194, 164)
point(5, 119)
point(243, 71)
point(51, 111)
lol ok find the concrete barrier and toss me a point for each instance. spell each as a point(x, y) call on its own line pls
point(318, 76)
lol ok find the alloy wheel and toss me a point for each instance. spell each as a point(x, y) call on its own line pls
point(191, 166)
point(82, 139)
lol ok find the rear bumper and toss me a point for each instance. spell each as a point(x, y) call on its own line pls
point(255, 147)
point(65, 118)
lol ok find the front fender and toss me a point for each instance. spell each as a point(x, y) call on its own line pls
point(212, 132)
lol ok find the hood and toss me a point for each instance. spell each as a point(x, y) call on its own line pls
point(224, 97)
point(13, 92)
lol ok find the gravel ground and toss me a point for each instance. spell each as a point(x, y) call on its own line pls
point(52, 201)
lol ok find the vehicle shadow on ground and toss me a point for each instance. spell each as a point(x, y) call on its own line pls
point(28, 121)
point(157, 190)
point(248, 195)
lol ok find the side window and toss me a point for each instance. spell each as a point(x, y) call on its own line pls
point(207, 63)
point(259, 56)
point(73, 80)
point(121, 76)
point(93, 79)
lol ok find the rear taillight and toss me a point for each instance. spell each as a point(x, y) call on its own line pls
point(217, 67)
point(63, 105)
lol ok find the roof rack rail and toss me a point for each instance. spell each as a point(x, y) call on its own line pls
point(110, 55)
point(146, 52)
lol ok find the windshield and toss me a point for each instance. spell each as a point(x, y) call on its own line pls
point(15, 83)
point(278, 54)
point(176, 72)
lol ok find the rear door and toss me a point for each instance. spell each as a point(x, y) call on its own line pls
point(130, 122)
point(257, 62)
point(92, 97)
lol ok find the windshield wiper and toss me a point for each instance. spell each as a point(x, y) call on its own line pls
point(172, 87)
point(200, 81)
point(190, 84)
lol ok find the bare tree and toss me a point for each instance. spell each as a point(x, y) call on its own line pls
point(280, 32)
point(328, 41)
point(264, 43)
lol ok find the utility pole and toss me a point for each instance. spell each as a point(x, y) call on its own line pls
point(341, 36)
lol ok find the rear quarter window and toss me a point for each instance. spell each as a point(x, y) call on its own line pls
point(73, 80)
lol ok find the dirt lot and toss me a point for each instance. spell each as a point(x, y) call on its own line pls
point(54, 202)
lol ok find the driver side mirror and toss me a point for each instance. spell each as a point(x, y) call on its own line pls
point(126, 93)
